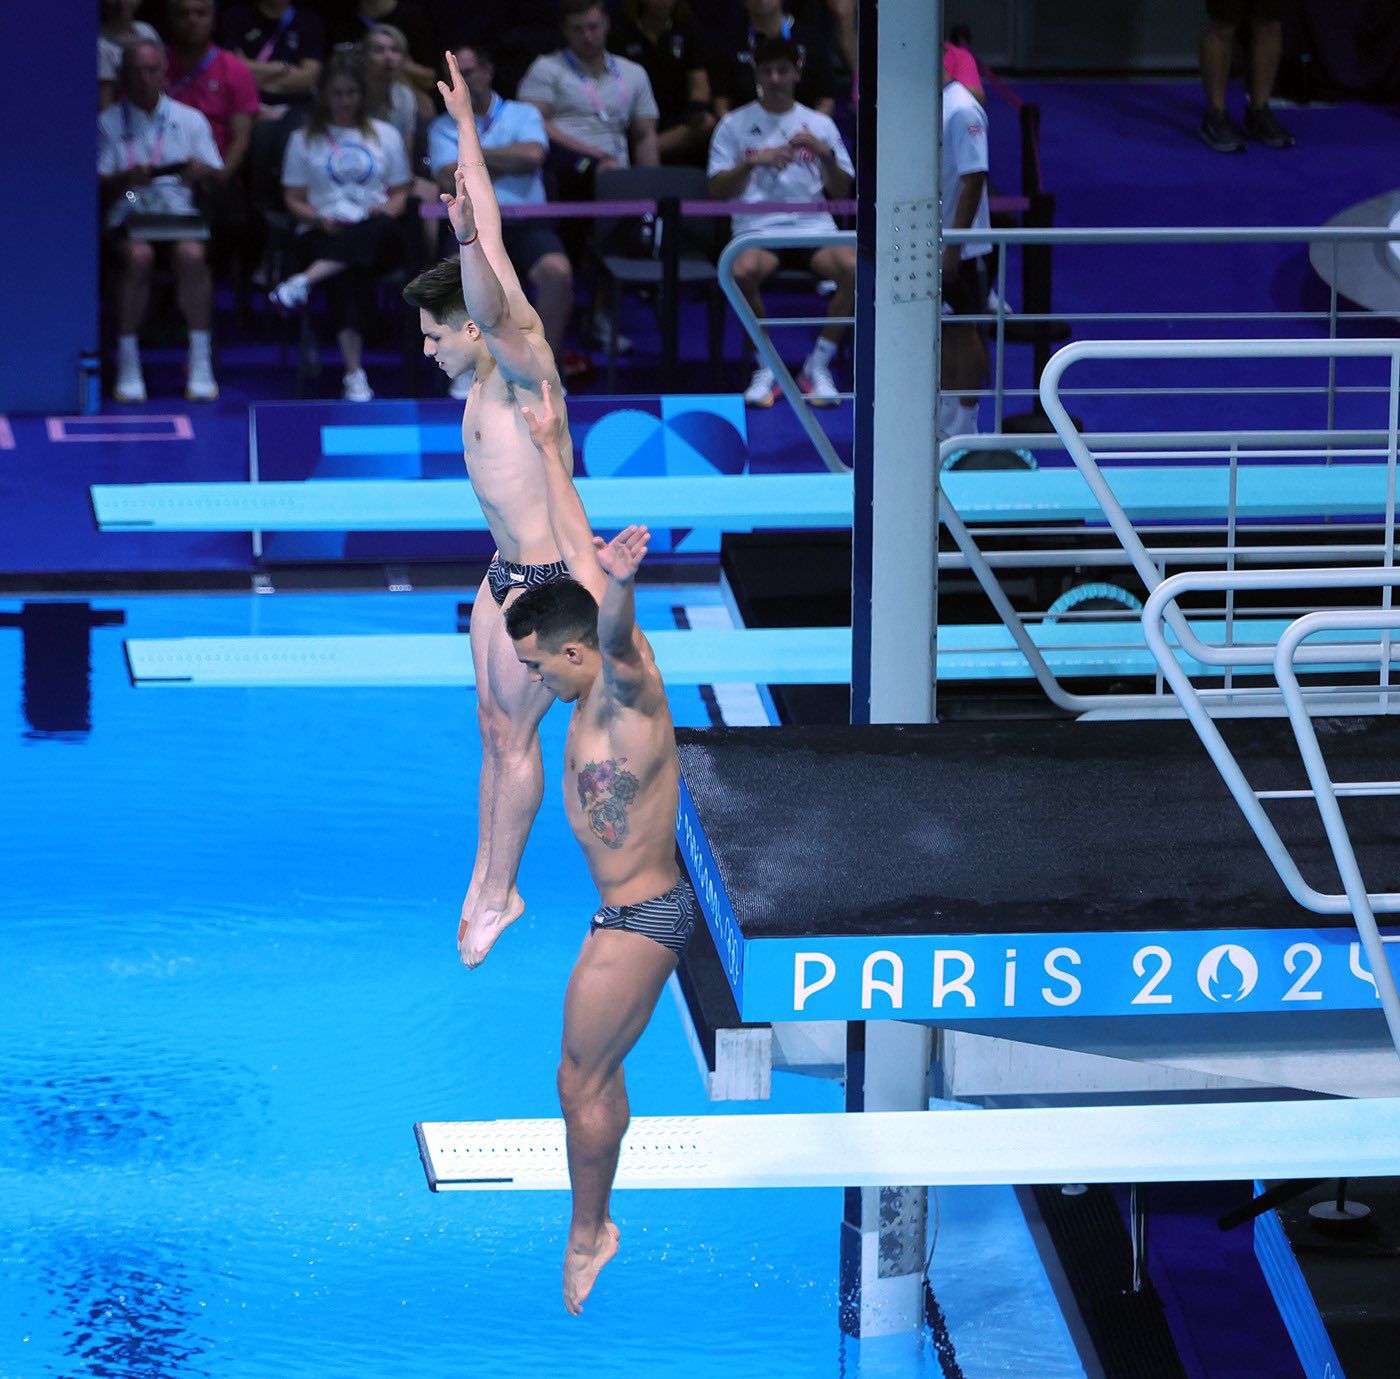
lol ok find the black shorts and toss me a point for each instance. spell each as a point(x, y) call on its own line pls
point(502, 576)
point(668, 920)
point(965, 292)
point(1236, 11)
point(794, 260)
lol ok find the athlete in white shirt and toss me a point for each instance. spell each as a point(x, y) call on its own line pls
point(151, 154)
point(965, 207)
point(774, 149)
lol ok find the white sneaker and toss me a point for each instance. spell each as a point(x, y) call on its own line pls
point(460, 386)
point(291, 292)
point(763, 388)
point(816, 381)
point(130, 385)
point(200, 385)
point(355, 387)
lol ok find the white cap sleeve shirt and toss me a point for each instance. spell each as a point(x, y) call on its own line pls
point(964, 152)
point(346, 172)
point(171, 133)
point(595, 110)
point(753, 127)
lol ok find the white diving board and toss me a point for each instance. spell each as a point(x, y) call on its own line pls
point(1200, 1142)
point(703, 656)
point(747, 501)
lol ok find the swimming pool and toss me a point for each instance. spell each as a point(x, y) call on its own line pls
point(231, 986)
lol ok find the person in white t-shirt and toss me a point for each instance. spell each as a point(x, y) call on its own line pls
point(152, 152)
point(965, 207)
point(345, 178)
point(774, 149)
point(118, 28)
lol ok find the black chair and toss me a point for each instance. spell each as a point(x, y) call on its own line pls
point(627, 253)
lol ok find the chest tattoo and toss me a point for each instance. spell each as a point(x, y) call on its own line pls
point(478, 435)
point(605, 789)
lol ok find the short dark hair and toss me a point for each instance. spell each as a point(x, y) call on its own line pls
point(776, 50)
point(557, 613)
point(480, 51)
point(439, 290)
point(569, 8)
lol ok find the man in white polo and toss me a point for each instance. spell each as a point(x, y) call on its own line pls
point(513, 146)
point(151, 154)
point(775, 149)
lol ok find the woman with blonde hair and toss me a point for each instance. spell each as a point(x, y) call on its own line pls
point(391, 99)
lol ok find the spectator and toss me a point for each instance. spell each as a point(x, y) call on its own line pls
point(345, 179)
point(660, 35)
point(283, 45)
point(964, 266)
point(151, 154)
point(960, 65)
point(513, 145)
point(1223, 19)
point(348, 25)
point(119, 27)
point(733, 75)
point(776, 149)
point(598, 108)
point(392, 100)
point(212, 80)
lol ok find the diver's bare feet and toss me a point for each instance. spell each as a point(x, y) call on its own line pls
point(583, 1259)
point(484, 927)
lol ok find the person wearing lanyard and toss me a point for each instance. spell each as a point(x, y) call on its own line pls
point(734, 82)
point(513, 146)
point(150, 154)
point(598, 108)
point(283, 45)
point(214, 81)
point(345, 178)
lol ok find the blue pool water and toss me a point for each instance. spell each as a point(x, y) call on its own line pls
point(230, 986)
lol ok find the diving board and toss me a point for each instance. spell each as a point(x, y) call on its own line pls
point(772, 656)
point(748, 501)
point(735, 503)
point(1200, 1142)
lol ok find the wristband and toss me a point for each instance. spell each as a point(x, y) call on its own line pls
point(471, 165)
point(464, 242)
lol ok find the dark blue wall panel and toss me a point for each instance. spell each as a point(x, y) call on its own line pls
point(48, 220)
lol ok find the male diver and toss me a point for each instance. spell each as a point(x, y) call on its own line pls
point(579, 639)
point(477, 320)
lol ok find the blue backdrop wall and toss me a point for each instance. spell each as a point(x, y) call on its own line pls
point(48, 227)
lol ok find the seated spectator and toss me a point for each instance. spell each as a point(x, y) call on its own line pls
point(598, 108)
point(385, 50)
point(119, 27)
point(283, 45)
point(349, 24)
point(345, 178)
point(212, 80)
point(732, 75)
point(964, 266)
point(661, 36)
point(513, 146)
point(775, 149)
point(151, 155)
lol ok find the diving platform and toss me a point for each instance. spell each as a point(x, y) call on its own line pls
point(1079, 1144)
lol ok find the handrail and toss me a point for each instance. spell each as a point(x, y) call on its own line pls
point(756, 333)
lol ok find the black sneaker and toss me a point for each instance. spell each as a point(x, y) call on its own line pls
point(1263, 124)
point(1220, 132)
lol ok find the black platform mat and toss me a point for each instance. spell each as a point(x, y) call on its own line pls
point(1022, 827)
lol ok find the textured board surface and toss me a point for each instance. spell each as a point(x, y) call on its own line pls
point(1089, 1144)
point(741, 502)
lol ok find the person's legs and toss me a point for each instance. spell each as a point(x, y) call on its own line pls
point(511, 735)
point(1265, 50)
point(485, 614)
point(194, 291)
point(1217, 47)
point(838, 265)
point(136, 259)
point(610, 999)
point(552, 279)
point(751, 270)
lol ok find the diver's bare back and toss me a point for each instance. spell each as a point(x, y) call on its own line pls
point(621, 789)
point(504, 468)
